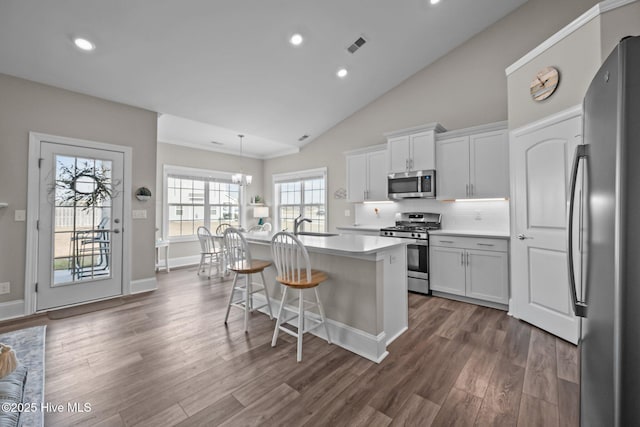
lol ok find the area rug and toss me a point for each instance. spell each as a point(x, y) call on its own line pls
point(29, 347)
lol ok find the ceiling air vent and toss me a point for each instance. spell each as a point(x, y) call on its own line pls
point(356, 45)
point(216, 143)
point(303, 137)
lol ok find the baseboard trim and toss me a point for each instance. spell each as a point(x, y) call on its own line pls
point(12, 309)
point(143, 285)
point(490, 304)
point(369, 346)
point(184, 261)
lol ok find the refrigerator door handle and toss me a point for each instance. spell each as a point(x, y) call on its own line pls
point(579, 307)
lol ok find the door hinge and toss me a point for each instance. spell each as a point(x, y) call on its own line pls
point(36, 287)
point(40, 162)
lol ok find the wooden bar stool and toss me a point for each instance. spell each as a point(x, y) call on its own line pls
point(240, 262)
point(294, 271)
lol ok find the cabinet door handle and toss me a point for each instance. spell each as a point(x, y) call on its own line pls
point(471, 189)
point(410, 163)
point(485, 244)
point(461, 258)
point(445, 241)
point(406, 164)
point(467, 258)
point(467, 190)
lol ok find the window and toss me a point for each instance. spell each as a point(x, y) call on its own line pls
point(193, 201)
point(303, 193)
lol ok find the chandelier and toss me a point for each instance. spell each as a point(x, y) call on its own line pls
point(240, 178)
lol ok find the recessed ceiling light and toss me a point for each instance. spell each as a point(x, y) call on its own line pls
point(435, 1)
point(84, 44)
point(296, 39)
point(342, 73)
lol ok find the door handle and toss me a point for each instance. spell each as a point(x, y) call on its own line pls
point(579, 307)
point(461, 258)
point(522, 237)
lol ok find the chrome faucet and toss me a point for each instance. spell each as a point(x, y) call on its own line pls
point(296, 223)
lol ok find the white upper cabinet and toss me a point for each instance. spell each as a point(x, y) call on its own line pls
point(376, 174)
point(399, 154)
point(412, 149)
point(452, 176)
point(367, 175)
point(473, 163)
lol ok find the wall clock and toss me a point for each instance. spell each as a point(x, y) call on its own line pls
point(544, 84)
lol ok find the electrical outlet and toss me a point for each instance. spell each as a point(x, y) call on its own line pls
point(139, 214)
point(5, 288)
point(347, 212)
point(478, 216)
point(20, 215)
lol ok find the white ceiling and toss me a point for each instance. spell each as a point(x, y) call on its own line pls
point(228, 64)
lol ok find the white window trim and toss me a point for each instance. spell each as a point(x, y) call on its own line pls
point(279, 178)
point(196, 173)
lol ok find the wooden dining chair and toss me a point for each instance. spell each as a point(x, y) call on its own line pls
point(240, 262)
point(209, 250)
point(292, 263)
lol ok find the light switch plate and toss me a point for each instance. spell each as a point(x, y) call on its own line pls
point(5, 288)
point(139, 214)
point(20, 215)
point(347, 212)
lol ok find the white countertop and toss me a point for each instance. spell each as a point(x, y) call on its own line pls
point(362, 227)
point(472, 233)
point(348, 244)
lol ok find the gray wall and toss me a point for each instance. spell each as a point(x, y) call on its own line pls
point(578, 57)
point(466, 87)
point(175, 155)
point(27, 106)
point(619, 23)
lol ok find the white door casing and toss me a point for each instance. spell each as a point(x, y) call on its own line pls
point(89, 284)
point(540, 156)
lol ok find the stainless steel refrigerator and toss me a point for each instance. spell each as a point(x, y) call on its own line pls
point(604, 220)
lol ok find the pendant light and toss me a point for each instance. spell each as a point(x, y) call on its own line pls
point(240, 178)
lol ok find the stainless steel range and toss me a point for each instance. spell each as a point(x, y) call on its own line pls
point(416, 226)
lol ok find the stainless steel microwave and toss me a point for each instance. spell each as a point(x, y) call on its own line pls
point(412, 185)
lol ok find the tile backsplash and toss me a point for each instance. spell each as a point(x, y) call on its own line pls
point(472, 215)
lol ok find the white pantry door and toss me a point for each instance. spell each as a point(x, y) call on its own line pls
point(540, 168)
point(80, 210)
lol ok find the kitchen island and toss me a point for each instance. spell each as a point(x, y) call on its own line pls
point(365, 299)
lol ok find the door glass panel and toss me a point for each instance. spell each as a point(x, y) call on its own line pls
point(82, 219)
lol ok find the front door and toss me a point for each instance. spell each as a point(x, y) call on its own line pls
point(79, 225)
point(540, 166)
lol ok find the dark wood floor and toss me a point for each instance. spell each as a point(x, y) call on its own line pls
point(166, 359)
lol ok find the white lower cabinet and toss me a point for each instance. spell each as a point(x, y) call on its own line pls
point(447, 270)
point(475, 268)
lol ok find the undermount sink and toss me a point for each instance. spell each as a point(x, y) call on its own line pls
point(312, 233)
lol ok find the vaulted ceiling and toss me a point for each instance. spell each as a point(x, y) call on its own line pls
point(217, 68)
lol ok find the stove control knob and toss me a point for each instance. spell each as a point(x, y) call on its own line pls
point(413, 235)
